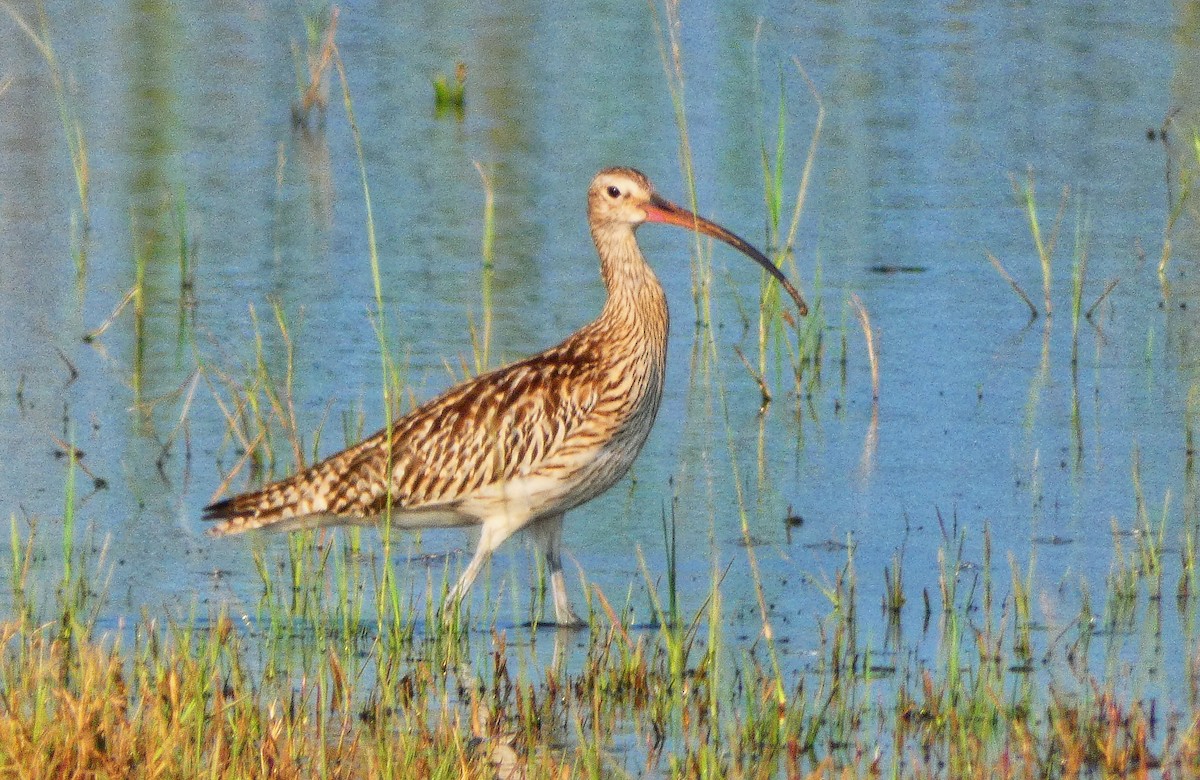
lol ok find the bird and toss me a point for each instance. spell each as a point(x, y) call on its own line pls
point(517, 447)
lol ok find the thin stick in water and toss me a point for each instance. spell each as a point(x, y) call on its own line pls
point(96, 333)
point(762, 384)
point(864, 320)
point(1033, 312)
point(1092, 309)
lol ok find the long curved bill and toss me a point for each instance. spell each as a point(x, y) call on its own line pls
point(662, 210)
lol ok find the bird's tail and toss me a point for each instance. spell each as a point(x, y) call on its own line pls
point(269, 508)
point(305, 500)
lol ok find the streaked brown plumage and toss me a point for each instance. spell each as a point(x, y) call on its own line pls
point(519, 446)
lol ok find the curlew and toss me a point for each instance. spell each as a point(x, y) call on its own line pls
point(520, 446)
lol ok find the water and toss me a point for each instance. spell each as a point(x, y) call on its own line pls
point(930, 113)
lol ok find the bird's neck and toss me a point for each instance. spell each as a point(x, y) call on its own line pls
point(635, 296)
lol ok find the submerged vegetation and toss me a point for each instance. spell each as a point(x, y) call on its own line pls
point(448, 95)
point(312, 64)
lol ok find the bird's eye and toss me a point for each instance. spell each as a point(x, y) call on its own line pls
point(614, 191)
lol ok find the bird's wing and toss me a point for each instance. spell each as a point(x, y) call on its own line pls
point(493, 429)
point(487, 430)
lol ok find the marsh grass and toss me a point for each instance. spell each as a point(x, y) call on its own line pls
point(1078, 278)
point(773, 318)
point(1026, 193)
point(451, 96)
point(774, 314)
point(39, 35)
point(312, 678)
point(481, 333)
point(141, 250)
point(1178, 201)
point(328, 670)
point(668, 30)
point(313, 63)
point(258, 405)
point(187, 248)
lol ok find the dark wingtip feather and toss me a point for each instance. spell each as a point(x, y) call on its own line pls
point(234, 514)
point(218, 510)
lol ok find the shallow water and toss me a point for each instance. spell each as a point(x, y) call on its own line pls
point(981, 420)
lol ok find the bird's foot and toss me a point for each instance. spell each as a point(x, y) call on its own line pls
point(452, 614)
point(566, 618)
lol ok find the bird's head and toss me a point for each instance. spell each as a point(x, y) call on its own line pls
point(624, 196)
point(619, 196)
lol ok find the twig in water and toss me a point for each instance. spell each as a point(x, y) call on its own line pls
point(1033, 312)
point(237, 467)
point(92, 335)
point(76, 455)
point(180, 425)
point(70, 366)
point(762, 385)
point(316, 74)
point(1100, 300)
point(865, 320)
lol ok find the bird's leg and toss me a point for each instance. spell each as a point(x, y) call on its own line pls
point(491, 535)
point(548, 533)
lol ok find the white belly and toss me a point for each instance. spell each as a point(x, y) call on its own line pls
point(553, 489)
